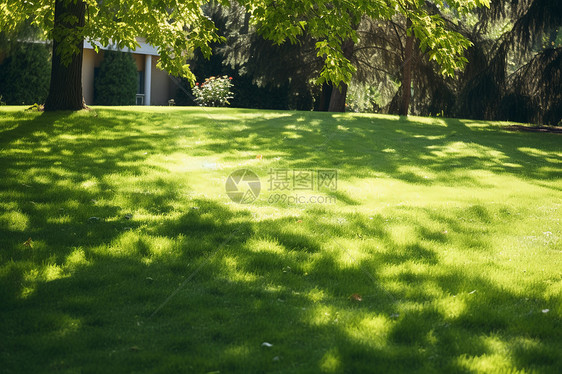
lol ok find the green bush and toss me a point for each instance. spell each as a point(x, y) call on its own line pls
point(116, 82)
point(363, 98)
point(25, 74)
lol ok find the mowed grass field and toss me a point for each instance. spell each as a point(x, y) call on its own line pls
point(438, 250)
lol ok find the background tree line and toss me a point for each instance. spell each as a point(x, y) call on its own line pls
point(447, 58)
point(513, 69)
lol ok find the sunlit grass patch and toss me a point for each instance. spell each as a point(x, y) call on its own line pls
point(120, 249)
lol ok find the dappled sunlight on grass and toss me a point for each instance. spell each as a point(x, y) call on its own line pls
point(439, 252)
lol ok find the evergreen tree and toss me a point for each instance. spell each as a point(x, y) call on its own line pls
point(116, 83)
point(514, 76)
point(24, 74)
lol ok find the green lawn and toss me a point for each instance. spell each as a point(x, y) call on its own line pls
point(439, 251)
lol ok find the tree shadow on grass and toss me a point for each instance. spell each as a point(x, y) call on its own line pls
point(356, 145)
point(263, 285)
point(82, 298)
point(58, 187)
point(365, 145)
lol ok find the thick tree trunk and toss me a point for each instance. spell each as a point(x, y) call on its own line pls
point(324, 101)
point(337, 100)
point(65, 92)
point(339, 93)
point(407, 73)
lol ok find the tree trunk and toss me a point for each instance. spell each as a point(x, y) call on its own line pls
point(65, 91)
point(337, 100)
point(407, 72)
point(339, 93)
point(324, 101)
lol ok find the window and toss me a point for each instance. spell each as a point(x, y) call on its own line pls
point(140, 88)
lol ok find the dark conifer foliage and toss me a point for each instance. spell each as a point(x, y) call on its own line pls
point(266, 76)
point(534, 92)
point(24, 74)
point(490, 90)
point(116, 83)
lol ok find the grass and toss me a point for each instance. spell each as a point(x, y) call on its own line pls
point(441, 254)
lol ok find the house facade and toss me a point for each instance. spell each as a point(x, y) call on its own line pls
point(155, 87)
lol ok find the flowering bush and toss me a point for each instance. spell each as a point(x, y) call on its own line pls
point(215, 91)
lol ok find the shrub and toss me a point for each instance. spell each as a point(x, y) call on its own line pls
point(116, 82)
point(363, 98)
point(215, 91)
point(25, 75)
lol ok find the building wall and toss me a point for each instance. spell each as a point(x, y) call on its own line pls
point(88, 75)
point(160, 90)
point(90, 61)
point(161, 87)
point(139, 60)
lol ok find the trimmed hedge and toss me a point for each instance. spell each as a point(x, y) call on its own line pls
point(25, 75)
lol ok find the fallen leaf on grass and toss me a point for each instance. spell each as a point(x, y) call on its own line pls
point(356, 297)
point(259, 157)
point(28, 243)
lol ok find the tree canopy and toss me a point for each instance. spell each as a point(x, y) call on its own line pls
point(177, 28)
point(332, 23)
